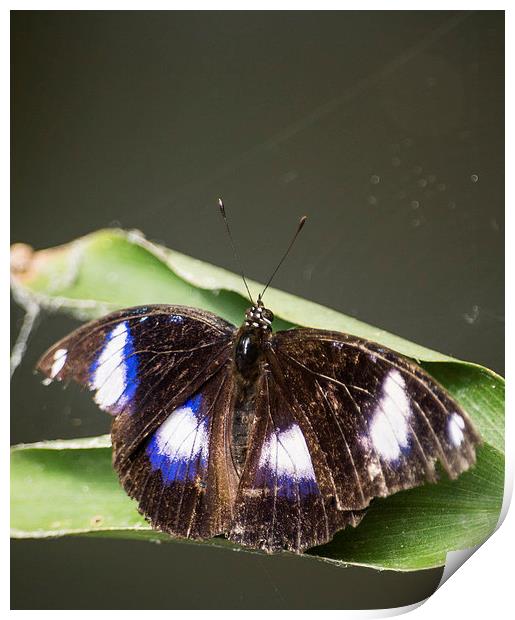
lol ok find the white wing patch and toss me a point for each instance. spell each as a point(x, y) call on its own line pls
point(109, 375)
point(455, 427)
point(287, 453)
point(182, 437)
point(59, 360)
point(389, 428)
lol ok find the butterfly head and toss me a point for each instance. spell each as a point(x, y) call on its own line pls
point(259, 316)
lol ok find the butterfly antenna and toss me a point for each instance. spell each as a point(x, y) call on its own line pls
point(302, 221)
point(236, 256)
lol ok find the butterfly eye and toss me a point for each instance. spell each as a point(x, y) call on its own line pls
point(268, 315)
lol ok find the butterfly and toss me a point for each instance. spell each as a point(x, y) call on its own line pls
point(275, 440)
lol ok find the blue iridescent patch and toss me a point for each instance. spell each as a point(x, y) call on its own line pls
point(175, 318)
point(289, 487)
point(131, 371)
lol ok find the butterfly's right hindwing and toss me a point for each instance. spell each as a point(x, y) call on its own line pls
point(285, 498)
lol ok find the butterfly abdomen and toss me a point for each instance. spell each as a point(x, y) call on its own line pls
point(243, 417)
point(249, 350)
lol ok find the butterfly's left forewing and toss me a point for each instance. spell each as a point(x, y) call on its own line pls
point(141, 361)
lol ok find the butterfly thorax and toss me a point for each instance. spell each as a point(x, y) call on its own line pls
point(250, 344)
point(251, 340)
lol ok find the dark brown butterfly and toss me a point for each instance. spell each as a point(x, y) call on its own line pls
point(275, 440)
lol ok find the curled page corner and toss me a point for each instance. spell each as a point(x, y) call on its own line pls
point(455, 559)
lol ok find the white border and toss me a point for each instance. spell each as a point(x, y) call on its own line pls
point(483, 585)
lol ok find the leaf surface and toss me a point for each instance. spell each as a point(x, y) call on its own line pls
point(69, 487)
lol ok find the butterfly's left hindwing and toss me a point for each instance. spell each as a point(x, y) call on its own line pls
point(181, 474)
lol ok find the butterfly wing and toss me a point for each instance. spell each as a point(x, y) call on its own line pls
point(380, 422)
point(285, 499)
point(339, 421)
point(163, 371)
point(141, 361)
point(182, 474)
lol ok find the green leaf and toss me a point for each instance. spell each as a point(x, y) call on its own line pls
point(89, 277)
point(414, 529)
point(70, 488)
point(61, 488)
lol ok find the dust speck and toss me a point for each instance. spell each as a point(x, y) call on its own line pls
point(289, 176)
point(308, 272)
point(472, 316)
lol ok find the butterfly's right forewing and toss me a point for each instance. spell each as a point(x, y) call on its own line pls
point(381, 422)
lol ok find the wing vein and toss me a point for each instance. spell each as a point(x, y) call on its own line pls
point(335, 418)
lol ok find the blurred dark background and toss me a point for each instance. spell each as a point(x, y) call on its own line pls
point(386, 128)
